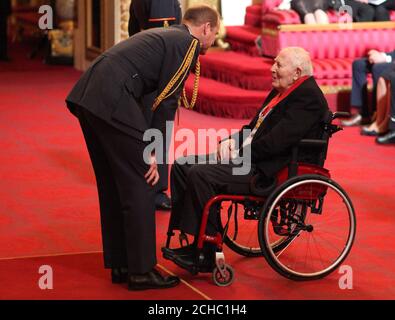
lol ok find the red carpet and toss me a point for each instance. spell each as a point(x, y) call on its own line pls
point(48, 205)
point(79, 276)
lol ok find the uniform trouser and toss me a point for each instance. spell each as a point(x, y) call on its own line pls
point(3, 35)
point(126, 200)
point(359, 91)
point(192, 185)
point(163, 167)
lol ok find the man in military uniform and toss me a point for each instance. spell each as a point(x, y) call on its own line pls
point(147, 14)
point(106, 101)
point(5, 11)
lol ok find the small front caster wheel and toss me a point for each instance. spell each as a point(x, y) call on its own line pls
point(225, 280)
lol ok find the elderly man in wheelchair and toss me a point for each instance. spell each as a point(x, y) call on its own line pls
point(295, 215)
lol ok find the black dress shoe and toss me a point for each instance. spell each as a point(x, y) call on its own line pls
point(388, 138)
point(119, 275)
point(162, 201)
point(183, 251)
point(151, 280)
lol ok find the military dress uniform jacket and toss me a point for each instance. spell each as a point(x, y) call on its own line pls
point(147, 14)
point(299, 116)
point(153, 60)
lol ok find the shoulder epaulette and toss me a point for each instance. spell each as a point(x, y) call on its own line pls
point(178, 77)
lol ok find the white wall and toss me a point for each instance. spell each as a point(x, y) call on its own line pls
point(233, 11)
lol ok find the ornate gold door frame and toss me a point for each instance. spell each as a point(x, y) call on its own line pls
point(121, 19)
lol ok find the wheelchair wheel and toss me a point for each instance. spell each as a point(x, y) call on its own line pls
point(317, 218)
point(242, 232)
point(226, 280)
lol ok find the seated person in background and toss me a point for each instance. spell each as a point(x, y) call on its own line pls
point(311, 11)
point(381, 9)
point(293, 110)
point(389, 112)
point(384, 101)
point(375, 63)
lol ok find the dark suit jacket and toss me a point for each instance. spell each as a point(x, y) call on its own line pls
point(298, 116)
point(113, 86)
point(5, 7)
point(141, 11)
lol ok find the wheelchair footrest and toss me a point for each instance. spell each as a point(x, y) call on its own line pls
point(191, 264)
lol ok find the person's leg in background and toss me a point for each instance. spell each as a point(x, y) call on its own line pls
point(382, 11)
point(389, 138)
point(320, 9)
point(390, 4)
point(377, 71)
point(305, 11)
point(321, 17)
point(380, 125)
point(391, 125)
point(383, 105)
point(359, 93)
point(362, 12)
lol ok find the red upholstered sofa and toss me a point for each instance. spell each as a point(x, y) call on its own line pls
point(283, 28)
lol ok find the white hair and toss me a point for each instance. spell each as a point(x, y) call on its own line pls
point(300, 59)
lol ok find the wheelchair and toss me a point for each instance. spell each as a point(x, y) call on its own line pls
point(304, 224)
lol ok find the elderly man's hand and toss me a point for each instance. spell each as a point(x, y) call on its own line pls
point(375, 56)
point(225, 150)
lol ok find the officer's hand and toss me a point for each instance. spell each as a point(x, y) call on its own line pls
point(152, 175)
point(225, 149)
